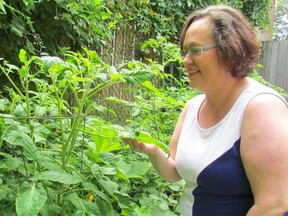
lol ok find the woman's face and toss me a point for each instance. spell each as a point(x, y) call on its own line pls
point(203, 70)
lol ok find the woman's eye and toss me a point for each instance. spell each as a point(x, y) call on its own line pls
point(194, 51)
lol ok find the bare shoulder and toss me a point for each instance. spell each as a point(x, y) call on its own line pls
point(266, 101)
point(265, 118)
point(264, 149)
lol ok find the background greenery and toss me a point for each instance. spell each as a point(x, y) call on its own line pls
point(59, 153)
point(52, 26)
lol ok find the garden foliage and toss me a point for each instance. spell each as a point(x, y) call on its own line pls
point(59, 156)
point(53, 25)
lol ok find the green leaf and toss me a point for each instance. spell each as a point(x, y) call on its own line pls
point(17, 135)
point(23, 56)
point(49, 61)
point(106, 144)
point(13, 163)
point(30, 199)
point(18, 30)
point(136, 77)
point(110, 186)
point(137, 169)
point(40, 132)
point(151, 87)
point(81, 79)
point(2, 8)
point(3, 193)
point(29, 4)
point(57, 176)
point(4, 104)
point(147, 138)
point(19, 111)
point(91, 187)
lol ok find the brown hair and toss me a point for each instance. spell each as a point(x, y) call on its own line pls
point(237, 45)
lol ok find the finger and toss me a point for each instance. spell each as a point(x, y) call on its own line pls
point(127, 141)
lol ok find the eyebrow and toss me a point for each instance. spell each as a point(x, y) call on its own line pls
point(192, 44)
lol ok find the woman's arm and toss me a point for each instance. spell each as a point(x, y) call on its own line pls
point(162, 162)
point(264, 151)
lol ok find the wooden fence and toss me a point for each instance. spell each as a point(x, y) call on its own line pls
point(274, 59)
point(125, 46)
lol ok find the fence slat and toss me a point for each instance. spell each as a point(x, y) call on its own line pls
point(274, 59)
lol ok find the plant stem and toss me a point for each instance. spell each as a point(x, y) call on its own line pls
point(11, 81)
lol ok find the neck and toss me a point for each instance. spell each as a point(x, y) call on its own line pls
point(219, 101)
point(224, 93)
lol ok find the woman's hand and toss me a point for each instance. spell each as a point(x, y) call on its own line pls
point(139, 146)
point(164, 165)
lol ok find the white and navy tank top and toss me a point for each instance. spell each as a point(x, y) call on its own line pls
point(209, 161)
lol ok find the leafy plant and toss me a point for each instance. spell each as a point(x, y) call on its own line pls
point(58, 154)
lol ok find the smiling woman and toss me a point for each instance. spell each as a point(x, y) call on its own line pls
point(230, 143)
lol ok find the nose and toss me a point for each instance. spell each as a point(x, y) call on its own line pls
point(187, 59)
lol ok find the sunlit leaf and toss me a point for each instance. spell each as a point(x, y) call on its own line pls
point(49, 61)
point(147, 138)
point(30, 199)
point(81, 79)
point(136, 169)
point(2, 8)
point(16, 135)
point(151, 87)
point(57, 176)
point(136, 77)
point(23, 56)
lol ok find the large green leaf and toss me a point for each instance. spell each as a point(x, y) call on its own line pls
point(92, 187)
point(104, 137)
point(110, 186)
point(57, 176)
point(16, 134)
point(30, 199)
point(106, 145)
point(79, 203)
point(147, 138)
point(136, 77)
point(49, 61)
point(2, 8)
point(136, 169)
point(151, 87)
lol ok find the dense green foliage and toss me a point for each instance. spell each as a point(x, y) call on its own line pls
point(47, 26)
point(281, 21)
point(59, 156)
point(53, 25)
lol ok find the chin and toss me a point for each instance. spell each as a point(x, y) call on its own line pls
point(193, 85)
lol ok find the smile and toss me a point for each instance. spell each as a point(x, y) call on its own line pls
point(193, 72)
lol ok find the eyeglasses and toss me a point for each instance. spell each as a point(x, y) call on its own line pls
point(196, 50)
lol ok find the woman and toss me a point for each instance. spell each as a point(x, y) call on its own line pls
point(230, 144)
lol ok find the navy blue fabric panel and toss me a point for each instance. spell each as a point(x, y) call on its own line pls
point(286, 214)
point(223, 188)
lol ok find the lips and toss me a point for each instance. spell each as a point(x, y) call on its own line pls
point(191, 72)
point(195, 71)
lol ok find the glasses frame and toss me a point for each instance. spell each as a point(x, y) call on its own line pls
point(196, 50)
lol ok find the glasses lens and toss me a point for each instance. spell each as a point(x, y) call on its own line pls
point(195, 51)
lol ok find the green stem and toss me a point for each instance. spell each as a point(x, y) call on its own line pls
point(101, 86)
point(74, 130)
point(60, 121)
point(11, 81)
